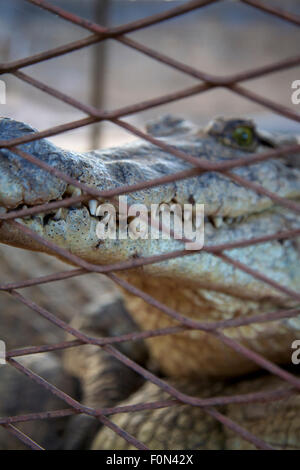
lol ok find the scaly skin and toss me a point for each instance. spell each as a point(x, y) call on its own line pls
point(228, 292)
point(106, 382)
point(188, 427)
point(200, 286)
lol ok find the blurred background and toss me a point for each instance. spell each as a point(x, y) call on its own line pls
point(222, 38)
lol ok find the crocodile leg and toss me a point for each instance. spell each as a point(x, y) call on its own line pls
point(105, 381)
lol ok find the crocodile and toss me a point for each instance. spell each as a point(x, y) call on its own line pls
point(201, 286)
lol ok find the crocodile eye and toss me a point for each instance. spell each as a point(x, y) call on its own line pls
point(243, 136)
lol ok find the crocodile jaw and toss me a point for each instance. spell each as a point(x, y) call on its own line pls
point(25, 183)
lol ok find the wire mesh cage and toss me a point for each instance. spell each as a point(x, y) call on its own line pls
point(234, 84)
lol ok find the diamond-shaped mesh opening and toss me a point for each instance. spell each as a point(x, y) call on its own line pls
point(233, 84)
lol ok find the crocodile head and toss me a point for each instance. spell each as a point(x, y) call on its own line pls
point(232, 212)
point(199, 282)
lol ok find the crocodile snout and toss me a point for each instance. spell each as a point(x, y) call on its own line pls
point(22, 182)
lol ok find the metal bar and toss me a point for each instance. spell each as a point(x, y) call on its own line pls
point(96, 115)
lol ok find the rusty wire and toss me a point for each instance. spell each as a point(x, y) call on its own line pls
point(207, 82)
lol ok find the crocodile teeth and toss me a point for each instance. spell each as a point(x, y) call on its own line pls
point(39, 218)
point(73, 190)
point(217, 221)
point(26, 217)
point(58, 214)
point(93, 204)
point(77, 192)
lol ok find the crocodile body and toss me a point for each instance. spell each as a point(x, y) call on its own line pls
point(188, 427)
point(200, 286)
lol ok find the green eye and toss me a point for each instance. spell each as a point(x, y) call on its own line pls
point(243, 136)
